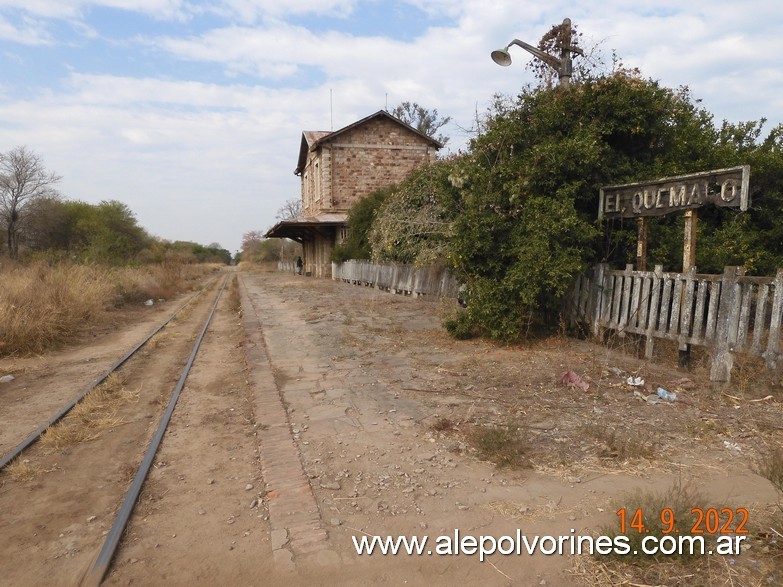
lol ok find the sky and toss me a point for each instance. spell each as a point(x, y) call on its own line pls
point(191, 111)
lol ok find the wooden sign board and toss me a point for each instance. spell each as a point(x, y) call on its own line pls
point(721, 187)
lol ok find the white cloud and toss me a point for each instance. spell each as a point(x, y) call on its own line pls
point(245, 11)
point(252, 10)
point(72, 9)
point(46, 8)
point(209, 161)
point(30, 32)
point(194, 161)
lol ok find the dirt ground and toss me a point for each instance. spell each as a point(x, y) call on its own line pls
point(328, 411)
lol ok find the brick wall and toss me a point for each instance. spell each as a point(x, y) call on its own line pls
point(353, 164)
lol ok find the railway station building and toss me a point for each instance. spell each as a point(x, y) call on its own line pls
point(340, 168)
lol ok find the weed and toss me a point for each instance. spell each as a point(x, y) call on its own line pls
point(762, 567)
point(772, 468)
point(750, 377)
point(158, 339)
point(234, 300)
point(708, 428)
point(503, 445)
point(442, 425)
point(666, 513)
point(620, 445)
point(22, 470)
point(97, 411)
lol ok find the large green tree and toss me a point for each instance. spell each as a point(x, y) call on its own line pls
point(530, 187)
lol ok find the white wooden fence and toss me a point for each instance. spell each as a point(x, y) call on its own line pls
point(401, 279)
point(288, 266)
point(728, 313)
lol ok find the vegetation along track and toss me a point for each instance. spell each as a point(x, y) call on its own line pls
point(81, 465)
point(7, 458)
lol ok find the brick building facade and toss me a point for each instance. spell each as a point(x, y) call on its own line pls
point(340, 168)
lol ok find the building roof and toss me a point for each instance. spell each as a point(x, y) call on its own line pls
point(302, 226)
point(311, 139)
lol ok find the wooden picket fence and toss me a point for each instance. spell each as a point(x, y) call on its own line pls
point(287, 266)
point(402, 279)
point(729, 313)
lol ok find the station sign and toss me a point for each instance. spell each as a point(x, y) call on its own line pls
point(720, 187)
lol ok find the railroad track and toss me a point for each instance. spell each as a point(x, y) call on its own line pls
point(34, 436)
point(100, 563)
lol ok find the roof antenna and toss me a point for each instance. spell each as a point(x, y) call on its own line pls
point(387, 101)
point(331, 110)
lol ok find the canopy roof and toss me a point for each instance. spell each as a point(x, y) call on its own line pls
point(306, 227)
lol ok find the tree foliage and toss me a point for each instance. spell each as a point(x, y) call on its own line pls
point(423, 119)
point(360, 221)
point(413, 224)
point(256, 248)
point(528, 223)
point(107, 232)
point(516, 216)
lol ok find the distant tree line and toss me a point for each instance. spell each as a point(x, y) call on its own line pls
point(37, 221)
point(256, 248)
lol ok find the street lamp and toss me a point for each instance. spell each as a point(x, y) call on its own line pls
point(562, 65)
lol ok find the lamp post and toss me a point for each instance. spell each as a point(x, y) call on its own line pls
point(562, 65)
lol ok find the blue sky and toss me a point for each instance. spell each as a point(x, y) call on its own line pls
point(191, 112)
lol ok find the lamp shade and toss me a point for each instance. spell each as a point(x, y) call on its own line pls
point(502, 57)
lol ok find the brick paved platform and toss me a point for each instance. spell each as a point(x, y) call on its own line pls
point(294, 517)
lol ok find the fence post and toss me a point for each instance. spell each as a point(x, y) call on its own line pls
point(722, 358)
point(686, 317)
point(654, 311)
point(625, 305)
point(597, 298)
point(773, 342)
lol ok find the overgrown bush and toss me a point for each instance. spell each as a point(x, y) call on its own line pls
point(360, 221)
point(528, 193)
point(413, 224)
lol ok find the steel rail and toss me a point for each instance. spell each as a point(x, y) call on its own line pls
point(34, 436)
point(100, 565)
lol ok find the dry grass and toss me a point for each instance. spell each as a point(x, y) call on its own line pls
point(22, 470)
point(504, 445)
point(157, 340)
point(234, 300)
point(270, 267)
point(680, 499)
point(620, 445)
point(772, 468)
point(41, 305)
point(761, 565)
point(161, 281)
point(95, 413)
